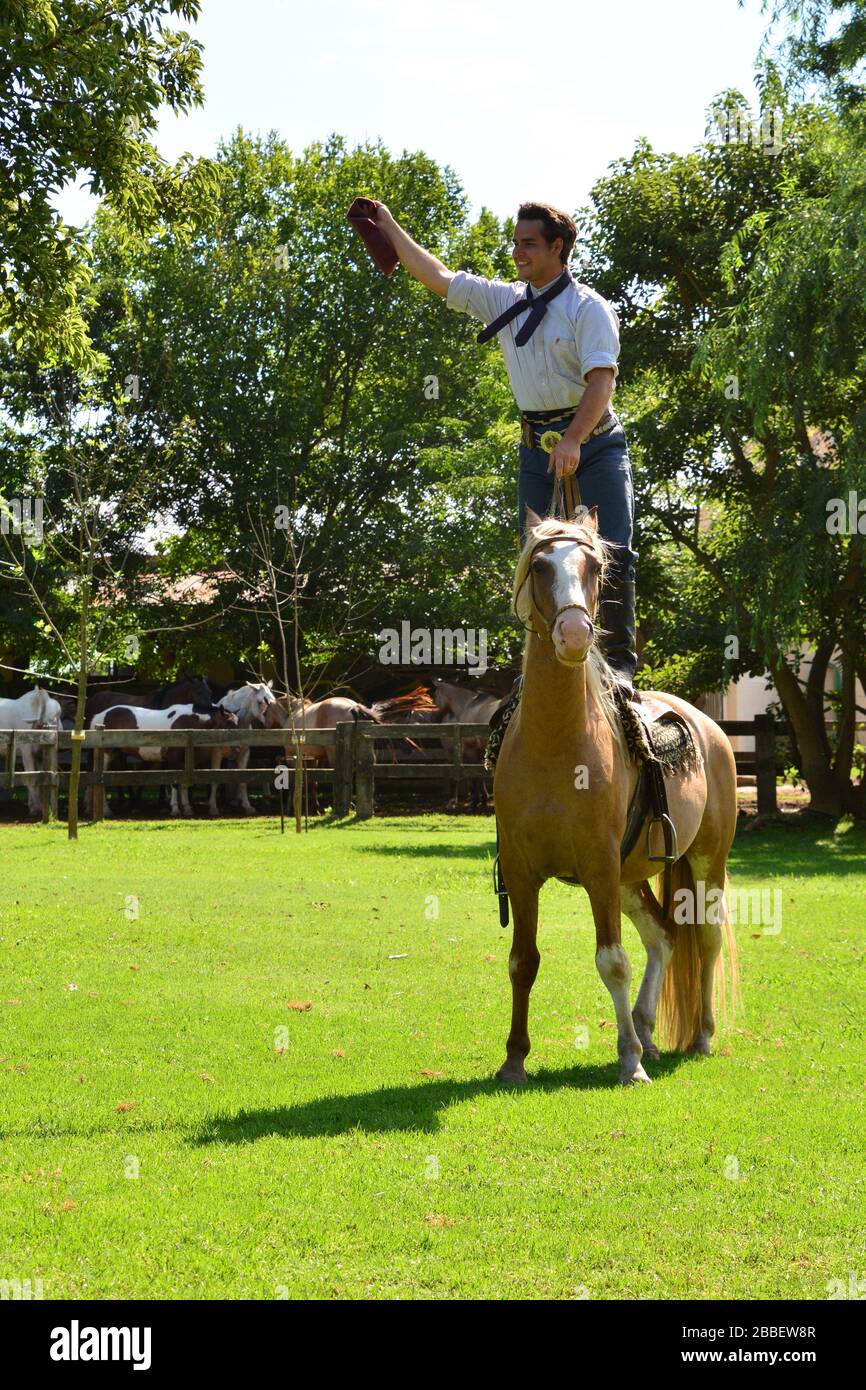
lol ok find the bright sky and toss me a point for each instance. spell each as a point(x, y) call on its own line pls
point(523, 99)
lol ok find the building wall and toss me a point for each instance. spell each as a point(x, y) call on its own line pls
point(750, 695)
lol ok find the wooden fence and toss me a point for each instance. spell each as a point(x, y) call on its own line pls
point(358, 764)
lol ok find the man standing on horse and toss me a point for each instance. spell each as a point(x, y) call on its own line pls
point(560, 340)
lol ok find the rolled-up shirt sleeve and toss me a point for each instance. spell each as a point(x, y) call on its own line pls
point(597, 337)
point(482, 299)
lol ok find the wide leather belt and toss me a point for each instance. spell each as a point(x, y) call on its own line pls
point(536, 422)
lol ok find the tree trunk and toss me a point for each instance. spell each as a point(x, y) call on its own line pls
point(826, 794)
point(78, 731)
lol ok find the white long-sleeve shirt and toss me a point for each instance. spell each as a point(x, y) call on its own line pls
point(579, 331)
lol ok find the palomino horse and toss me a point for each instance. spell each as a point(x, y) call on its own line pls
point(176, 717)
point(566, 723)
point(35, 710)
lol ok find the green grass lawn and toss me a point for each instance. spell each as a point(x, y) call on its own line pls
point(172, 1128)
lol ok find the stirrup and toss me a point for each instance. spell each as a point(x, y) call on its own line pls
point(665, 822)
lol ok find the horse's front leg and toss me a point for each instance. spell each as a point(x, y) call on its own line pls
point(242, 760)
point(28, 762)
point(614, 967)
point(523, 963)
point(216, 762)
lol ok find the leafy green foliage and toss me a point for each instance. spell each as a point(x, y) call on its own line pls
point(83, 81)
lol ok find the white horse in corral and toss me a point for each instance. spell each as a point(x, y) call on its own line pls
point(35, 710)
point(250, 704)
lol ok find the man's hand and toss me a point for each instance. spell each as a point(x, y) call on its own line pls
point(420, 263)
point(382, 216)
point(564, 456)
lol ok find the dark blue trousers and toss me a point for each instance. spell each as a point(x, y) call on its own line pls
point(604, 479)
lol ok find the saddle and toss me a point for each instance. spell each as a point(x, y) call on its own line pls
point(660, 741)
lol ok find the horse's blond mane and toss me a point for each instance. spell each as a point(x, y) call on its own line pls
point(599, 680)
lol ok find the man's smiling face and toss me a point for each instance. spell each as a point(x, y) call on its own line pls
point(535, 260)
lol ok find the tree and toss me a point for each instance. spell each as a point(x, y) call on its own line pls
point(743, 324)
point(83, 81)
point(289, 373)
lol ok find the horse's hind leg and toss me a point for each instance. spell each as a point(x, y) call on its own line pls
point(523, 962)
point(710, 944)
point(658, 952)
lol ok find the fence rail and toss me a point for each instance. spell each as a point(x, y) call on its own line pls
point(356, 768)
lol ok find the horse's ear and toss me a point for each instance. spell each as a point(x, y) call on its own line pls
point(532, 518)
point(271, 683)
point(591, 519)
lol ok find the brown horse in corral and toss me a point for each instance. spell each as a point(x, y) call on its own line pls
point(415, 706)
point(554, 823)
point(460, 704)
point(306, 716)
point(310, 715)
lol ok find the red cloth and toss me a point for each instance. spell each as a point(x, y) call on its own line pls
point(360, 215)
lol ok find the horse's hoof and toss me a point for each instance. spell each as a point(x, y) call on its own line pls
point(651, 1053)
point(638, 1077)
point(512, 1077)
point(700, 1047)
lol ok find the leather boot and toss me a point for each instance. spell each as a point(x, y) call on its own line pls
point(617, 618)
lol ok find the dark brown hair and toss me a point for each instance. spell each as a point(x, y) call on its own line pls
point(556, 223)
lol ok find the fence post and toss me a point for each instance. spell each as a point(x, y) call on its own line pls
point(364, 777)
point(765, 764)
point(97, 767)
point(188, 767)
point(49, 790)
point(11, 759)
point(456, 761)
point(343, 760)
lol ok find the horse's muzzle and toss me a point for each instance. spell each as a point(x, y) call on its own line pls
point(572, 637)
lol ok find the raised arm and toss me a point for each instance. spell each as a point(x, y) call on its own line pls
point(420, 263)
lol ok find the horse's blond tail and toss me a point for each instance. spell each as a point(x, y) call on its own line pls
point(679, 1011)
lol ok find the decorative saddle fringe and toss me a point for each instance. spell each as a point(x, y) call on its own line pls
point(670, 742)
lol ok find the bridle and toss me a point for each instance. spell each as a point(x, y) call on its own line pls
point(551, 623)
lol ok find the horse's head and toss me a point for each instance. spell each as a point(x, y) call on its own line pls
point(261, 696)
point(274, 717)
point(249, 701)
point(450, 698)
point(188, 690)
point(558, 581)
point(222, 718)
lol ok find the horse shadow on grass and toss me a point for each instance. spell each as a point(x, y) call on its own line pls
point(417, 1108)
